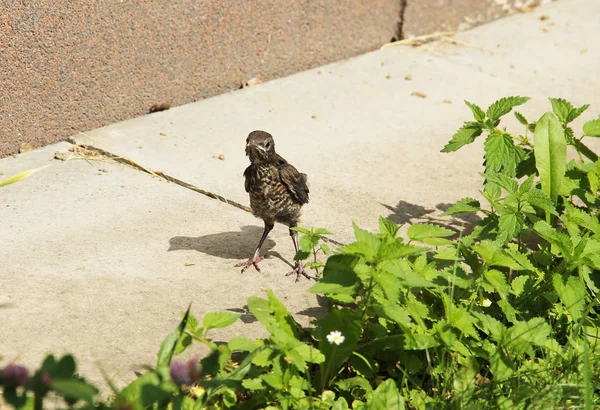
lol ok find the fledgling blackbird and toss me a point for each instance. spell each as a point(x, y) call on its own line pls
point(277, 192)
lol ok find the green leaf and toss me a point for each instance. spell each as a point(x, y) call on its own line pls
point(350, 384)
point(308, 242)
point(340, 404)
point(491, 326)
point(322, 231)
point(523, 335)
point(478, 113)
point(253, 384)
point(428, 233)
point(503, 106)
point(21, 176)
point(465, 135)
point(141, 393)
point(170, 343)
point(550, 234)
point(577, 112)
point(339, 280)
point(65, 367)
point(500, 365)
point(74, 389)
point(590, 128)
point(388, 227)
point(562, 109)
point(501, 154)
point(540, 200)
point(386, 397)
point(518, 285)
point(388, 282)
point(367, 244)
point(521, 118)
point(347, 323)
point(550, 149)
point(497, 280)
point(398, 314)
point(510, 225)
point(464, 206)
point(572, 293)
point(493, 255)
point(241, 343)
point(463, 321)
point(217, 320)
point(503, 181)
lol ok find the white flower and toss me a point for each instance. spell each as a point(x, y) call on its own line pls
point(486, 303)
point(335, 337)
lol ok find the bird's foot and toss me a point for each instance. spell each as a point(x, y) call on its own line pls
point(299, 271)
point(250, 262)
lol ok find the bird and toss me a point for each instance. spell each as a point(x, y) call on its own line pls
point(277, 193)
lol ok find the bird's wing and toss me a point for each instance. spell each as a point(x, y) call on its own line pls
point(293, 180)
point(247, 178)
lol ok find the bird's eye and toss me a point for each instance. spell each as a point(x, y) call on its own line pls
point(267, 145)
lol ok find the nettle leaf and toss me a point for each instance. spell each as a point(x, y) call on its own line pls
point(550, 234)
point(562, 108)
point(465, 135)
point(518, 285)
point(398, 314)
point(396, 250)
point(308, 242)
point(521, 118)
point(339, 280)
point(497, 280)
point(388, 227)
point(540, 200)
point(241, 343)
point(493, 255)
point(386, 396)
point(577, 112)
point(501, 154)
point(462, 320)
point(388, 282)
point(490, 326)
point(501, 366)
point(592, 128)
point(510, 225)
point(464, 206)
point(503, 181)
point(572, 293)
point(217, 320)
point(527, 184)
point(523, 335)
point(478, 113)
point(368, 242)
point(503, 106)
point(430, 234)
point(550, 149)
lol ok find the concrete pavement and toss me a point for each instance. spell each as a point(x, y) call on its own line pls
point(99, 259)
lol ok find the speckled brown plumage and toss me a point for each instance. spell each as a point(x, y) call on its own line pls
point(277, 192)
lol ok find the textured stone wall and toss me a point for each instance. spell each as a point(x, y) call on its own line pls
point(72, 65)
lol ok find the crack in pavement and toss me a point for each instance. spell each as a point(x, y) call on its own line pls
point(126, 161)
point(400, 26)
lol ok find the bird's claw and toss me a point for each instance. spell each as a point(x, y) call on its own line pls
point(299, 270)
point(250, 262)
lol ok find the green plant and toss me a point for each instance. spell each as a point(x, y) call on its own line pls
point(504, 316)
point(311, 246)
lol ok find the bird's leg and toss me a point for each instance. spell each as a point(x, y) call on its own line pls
point(299, 268)
point(253, 261)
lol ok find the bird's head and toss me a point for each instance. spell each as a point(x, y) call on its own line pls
point(260, 146)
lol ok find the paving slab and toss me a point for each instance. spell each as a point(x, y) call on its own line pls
point(99, 260)
point(98, 252)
